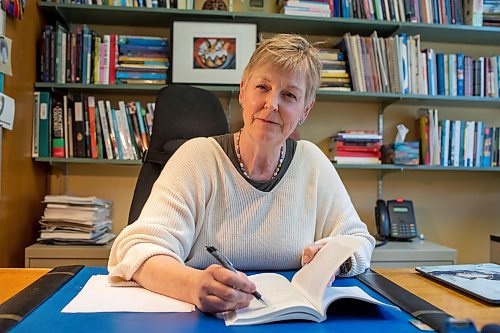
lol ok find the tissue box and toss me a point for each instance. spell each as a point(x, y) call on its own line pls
point(407, 153)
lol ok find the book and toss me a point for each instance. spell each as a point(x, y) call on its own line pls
point(44, 136)
point(356, 160)
point(359, 135)
point(36, 124)
point(57, 126)
point(308, 295)
point(92, 127)
point(473, 12)
point(105, 130)
point(79, 129)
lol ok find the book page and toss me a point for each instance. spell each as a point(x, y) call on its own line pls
point(313, 278)
point(281, 296)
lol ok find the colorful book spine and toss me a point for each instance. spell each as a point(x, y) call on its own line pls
point(125, 132)
point(473, 12)
point(36, 124)
point(441, 89)
point(79, 130)
point(119, 138)
point(479, 141)
point(445, 142)
point(460, 74)
point(57, 127)
point(403, 44)
point(98, 130)
point(105, 130)
point(92, 128)
point(112, 130)
point(44, 137)
point(135, 126)
point(142, 126)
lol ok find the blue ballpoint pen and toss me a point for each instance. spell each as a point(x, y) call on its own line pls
point(224, 261)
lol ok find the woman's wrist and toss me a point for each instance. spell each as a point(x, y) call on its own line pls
point(346, 267)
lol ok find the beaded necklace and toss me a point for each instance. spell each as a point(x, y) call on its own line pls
point(240, 161)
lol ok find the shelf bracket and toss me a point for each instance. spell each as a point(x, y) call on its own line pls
point(63, 18)
point(62, 174)
point(380, 194)
point(381, 119)
point(397, 29)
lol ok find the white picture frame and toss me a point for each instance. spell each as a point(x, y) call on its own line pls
point(211, 52)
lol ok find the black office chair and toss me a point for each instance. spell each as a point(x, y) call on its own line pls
point(181, 113)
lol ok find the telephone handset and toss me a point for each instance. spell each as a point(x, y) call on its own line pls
point(395, 220)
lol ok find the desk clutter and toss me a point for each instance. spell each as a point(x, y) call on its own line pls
point(76, 220)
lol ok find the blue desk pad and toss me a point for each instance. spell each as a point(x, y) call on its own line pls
point(343, 316)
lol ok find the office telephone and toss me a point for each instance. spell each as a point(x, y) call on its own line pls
point(395, 220)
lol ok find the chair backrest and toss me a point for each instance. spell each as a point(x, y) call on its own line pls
point(181, 113)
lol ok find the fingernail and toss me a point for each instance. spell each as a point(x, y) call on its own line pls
point(306, 259)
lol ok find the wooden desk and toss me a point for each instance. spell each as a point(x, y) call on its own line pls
point(453, 302)
point(456, 304)
point(13, 280)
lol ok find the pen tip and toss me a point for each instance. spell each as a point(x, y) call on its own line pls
point(263, 301)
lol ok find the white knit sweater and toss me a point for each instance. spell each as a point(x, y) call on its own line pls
point(200, 199)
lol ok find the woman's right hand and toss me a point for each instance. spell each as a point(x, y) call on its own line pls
point(217, 289)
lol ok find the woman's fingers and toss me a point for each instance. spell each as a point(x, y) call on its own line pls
point(309, 252)
point(224, 290)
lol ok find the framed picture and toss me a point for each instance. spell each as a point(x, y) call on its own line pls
point(208, 52)
point(211, 5)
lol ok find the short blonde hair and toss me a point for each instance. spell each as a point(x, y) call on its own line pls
point(292, 53)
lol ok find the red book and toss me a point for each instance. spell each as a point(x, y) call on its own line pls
point(92, 128)
point(358, 146)
point(358, 153)
point(112, 59)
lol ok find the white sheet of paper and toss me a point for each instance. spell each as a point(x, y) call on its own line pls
point(7, 111)
point(98, 296)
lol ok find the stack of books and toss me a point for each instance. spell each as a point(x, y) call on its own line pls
point(75, 220)
point(491, 13)
point(307, 8)
point(142, 60)
point(356, 147)
point(334, 75)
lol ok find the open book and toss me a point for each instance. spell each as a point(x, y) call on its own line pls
point(309, 294)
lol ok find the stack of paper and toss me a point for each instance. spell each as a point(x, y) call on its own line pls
point(76, 220)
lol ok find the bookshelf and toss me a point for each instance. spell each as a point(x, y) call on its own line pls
point(162, 17)
point(338, 108)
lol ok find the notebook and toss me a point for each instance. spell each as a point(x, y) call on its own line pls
point(479, 280)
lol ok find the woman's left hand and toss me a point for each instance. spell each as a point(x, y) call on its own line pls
point(309, 252)
point(308, 255)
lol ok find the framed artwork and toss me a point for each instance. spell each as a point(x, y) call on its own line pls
point(211, 53)
point(212, 5)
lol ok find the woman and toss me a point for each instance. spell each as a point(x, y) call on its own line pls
point(266, 202)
